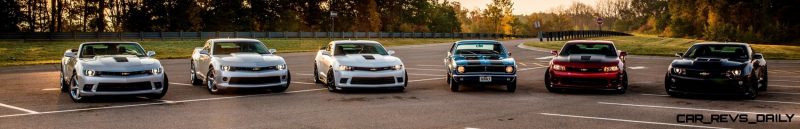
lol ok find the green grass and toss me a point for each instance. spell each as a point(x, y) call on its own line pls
point(660, 46)
point(14, 53)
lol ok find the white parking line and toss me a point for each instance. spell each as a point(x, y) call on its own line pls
point(425, 79)
point(789, 93)
point(305, 74)
point(763, 101)
point(654, 94)
point(424, 74)
point(18, 108)
point(631, 121)
point(681, 108)
point(785, 86)
point(523, 64)
point(637, 67)
point(183, 84)
point(47, 89)
point(426, 69)
point(545, 58)
point(146, 104)
point(525, 69)
point(431, 65)
point(307, 83)
point(783, 81)
point(539, 64)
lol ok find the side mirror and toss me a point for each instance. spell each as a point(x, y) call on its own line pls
point(69, 54)
point(391, 52)
point(758, 56)
point(326, 53)
point(623, 53)
point(151, 53)
point(272, 51)
point(509, 53)
point(679, 54)
point(204, 52)
point(554, 52)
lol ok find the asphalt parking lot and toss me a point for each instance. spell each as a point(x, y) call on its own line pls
point(30, 99)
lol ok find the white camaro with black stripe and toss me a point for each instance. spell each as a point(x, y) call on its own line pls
point(223, 64)
point(356, 64)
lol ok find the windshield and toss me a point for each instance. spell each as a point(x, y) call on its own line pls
point(359, 48)
point(224, 48)
point(480, 48)
point(588, 48)
point(91, 50)
point(718, 51)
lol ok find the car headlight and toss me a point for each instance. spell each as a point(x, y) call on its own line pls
point(679, 71)
point(509, 69)
point(559, 68)
point(89, 72)
point(734, 72)
point(611, 68)
point(226, 68)
point(398, 67)
point(460, 69)
point(281, 67)
point(345, 68)
point(156, 71)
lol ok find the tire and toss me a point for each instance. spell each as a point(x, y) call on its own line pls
point(624, 84)
point(211, 83)
point(752, 91)
point(193, 75)
point(331, 82)
point(64, 85)
point(511, 87)
point(316, 74)
point(163, 91)
point(283, 88)
point(764, 81)
point(668, 84)
point(75, 91)
point(548, 85)
point(454, 86)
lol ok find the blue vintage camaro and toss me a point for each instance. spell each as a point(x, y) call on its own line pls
point(480, 62)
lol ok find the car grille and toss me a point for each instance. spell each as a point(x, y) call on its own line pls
point(124, 86)
point(254, 80)
point(584, 81)
point(573, 69)
point(132, 73)
point(468, 69)
point(372, 68)
point(253, 68)
point(372, 80)
point(705, 74)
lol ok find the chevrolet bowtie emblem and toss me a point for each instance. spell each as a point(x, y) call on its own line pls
point(125, 74)
point(373, 69)
point(705, 73)
point(584, 69)
point(256, 69)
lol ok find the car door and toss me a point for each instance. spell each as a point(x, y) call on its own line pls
point(204, 60)
point(326, 60)
point(448, 59)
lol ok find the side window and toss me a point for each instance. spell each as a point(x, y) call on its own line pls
point(452, 47)
point(206, 46)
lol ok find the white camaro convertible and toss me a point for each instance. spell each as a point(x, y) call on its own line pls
point(238, 63)
point(112, 68)
point(358, 64)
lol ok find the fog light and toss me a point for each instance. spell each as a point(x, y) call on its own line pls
point(283, 77)
point(225, 79)
point(88, 87)
point(673, 80)
point(343, 80)
point(158, 85)
point(741, 83)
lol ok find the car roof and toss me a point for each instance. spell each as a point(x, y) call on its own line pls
point(354, 41)
point(590, 42)
point(722, 43)
point(476, 41)
point(233, 40)
point(108, 42)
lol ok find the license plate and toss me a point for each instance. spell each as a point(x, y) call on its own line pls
point(485, 79)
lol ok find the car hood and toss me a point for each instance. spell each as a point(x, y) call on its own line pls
point(368, 60)
point(707, 63)
point(483, 60)
point(119, 63)
point(249, 60)
point(589, 60)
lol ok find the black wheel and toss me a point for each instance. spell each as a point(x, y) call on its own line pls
point(454, 86)
point(63, 81)
point(75, 91)
point(512, 86)
point(316, 74)
point(211, 83)
point(331, 81)
point(193, 75)
point(163, 91)
point(549, 85)
point(667, 84)
point(624, 84)
point(763, 81)
point(752, 91)
point(283, 88)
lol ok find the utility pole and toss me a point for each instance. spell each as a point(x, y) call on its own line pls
point(333, 24)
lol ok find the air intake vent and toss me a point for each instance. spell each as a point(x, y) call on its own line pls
point(586, 57)
point(368, 57)
point(121, 59)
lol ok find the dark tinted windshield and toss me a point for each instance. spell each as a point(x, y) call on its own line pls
point(717, 51)
point(588, 48)
point(359, 48)
point(479, 48)
point(91, 50)
point(224, 48)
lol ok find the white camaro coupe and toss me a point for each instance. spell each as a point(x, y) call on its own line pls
point(238, 63)
point(112, 68)
point(358, 64)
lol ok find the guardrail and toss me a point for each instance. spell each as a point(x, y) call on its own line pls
point(568, 35)
point(208, 35)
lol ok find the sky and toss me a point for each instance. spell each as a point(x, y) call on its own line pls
point(526, 6)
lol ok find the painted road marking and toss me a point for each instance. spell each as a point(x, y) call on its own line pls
point(146, 104)
point(763, 101)
point(424, 74)
point(631, 121)
point(654, 94)
point(785, 86)
point(425, 79)
point(681, 108)
point(637, 67)
point(523, 64)
point(430, 65)
point(181, 84)
point(307, 83)
point(48, 89)
point(790, 93)
point(783, 81)
point(545, 58)
point(19, 108)
point(305, 74)
point(426, 69)
point(539, 64)
point(525, 69)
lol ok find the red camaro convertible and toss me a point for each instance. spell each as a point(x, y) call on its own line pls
point(584, 64)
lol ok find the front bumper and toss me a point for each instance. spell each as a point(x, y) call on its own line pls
point(713, 86)
point(228, 77)
point(586, 80)
point(475, 78)
point(348, 79)
point(121, 85)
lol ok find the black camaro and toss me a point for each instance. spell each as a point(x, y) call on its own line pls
point(717, 69)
